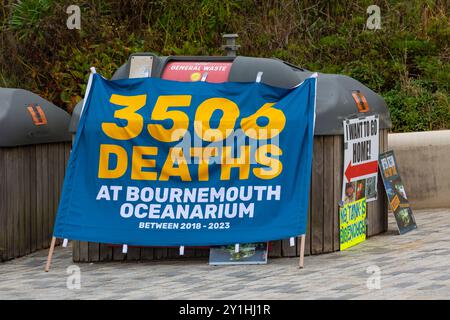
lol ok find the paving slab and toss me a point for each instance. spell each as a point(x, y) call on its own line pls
point(415, 265)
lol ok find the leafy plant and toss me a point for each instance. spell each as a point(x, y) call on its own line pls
point(26, 16)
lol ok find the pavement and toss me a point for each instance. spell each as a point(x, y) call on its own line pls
point(415, 265)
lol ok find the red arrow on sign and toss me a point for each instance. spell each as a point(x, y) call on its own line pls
point(360, 169)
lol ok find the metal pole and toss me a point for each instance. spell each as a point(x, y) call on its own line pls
point(230, 46)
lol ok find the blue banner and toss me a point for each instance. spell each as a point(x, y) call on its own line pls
point(166, 163)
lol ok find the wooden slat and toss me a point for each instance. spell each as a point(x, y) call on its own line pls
point(3, 207)
point(59, 182)
point(159, 253)
point(377, 226)
point(12, 173)
point(117, 253)
point(373, 208)
point(76, 251)
point(147, 253)
point(275, 249)
point(308, 231)
point(67, 147)
point(317, 197)
point(60, 178)
point(338, 158)
point(173, 253)
point(21, 212)
point(31, 178)
point(106, 252)
point(39, 198)
point(45, 196)
point(328, 193)
point(308, 225)
point(201, 252)
point(27, 189)
point(189, 252)
point(287, 250)
point(84, 251)
point(53, 154)
point(134, 253)
point(33, 200)
point(371, 214)
point(94, 252)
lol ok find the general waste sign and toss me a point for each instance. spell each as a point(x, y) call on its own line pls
point(196, 71)
point(361, 141)
point(167, 163)
point(352, 223)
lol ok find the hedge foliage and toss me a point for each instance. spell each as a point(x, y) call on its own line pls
point(407, 60)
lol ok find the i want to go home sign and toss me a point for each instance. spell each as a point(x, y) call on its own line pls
point(166, 163)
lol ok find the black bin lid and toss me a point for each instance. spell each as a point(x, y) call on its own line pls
point(338, 96)
point(26, 118)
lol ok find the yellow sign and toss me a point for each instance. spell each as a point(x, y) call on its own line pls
point(352, 228)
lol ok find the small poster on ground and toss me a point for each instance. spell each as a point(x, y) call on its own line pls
point(396, 193)
point(249, 253)
point(352, 223)
point(361, 142)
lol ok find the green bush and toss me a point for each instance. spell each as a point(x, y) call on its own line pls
point(407, 61)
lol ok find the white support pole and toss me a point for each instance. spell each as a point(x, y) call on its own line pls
point(50, 254)
point(302, 251)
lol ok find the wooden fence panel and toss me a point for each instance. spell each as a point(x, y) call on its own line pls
point(45, 197)
point(106, 252)
point(31, 178)
point(328, 194)
point(338, 158)
point(317, 217)
point(147, 253)
point(39, 199)
point(275, 249)
point(33, 200)
point(12, 193)
point(94, 251)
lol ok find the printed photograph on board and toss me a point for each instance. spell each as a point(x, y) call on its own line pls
point(371, 188)
point(249, 253)
point(360, 189)
point(350, 194)
point(396, 193)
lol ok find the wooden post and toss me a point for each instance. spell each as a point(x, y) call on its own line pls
point(302, 251)
point(50, 254)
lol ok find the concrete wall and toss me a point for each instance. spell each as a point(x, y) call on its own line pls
point(424, 165)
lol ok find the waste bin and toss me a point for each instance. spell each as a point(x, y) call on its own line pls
point(334, 103)
point(34, 149)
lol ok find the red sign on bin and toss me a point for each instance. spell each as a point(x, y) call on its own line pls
point(194, 71)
